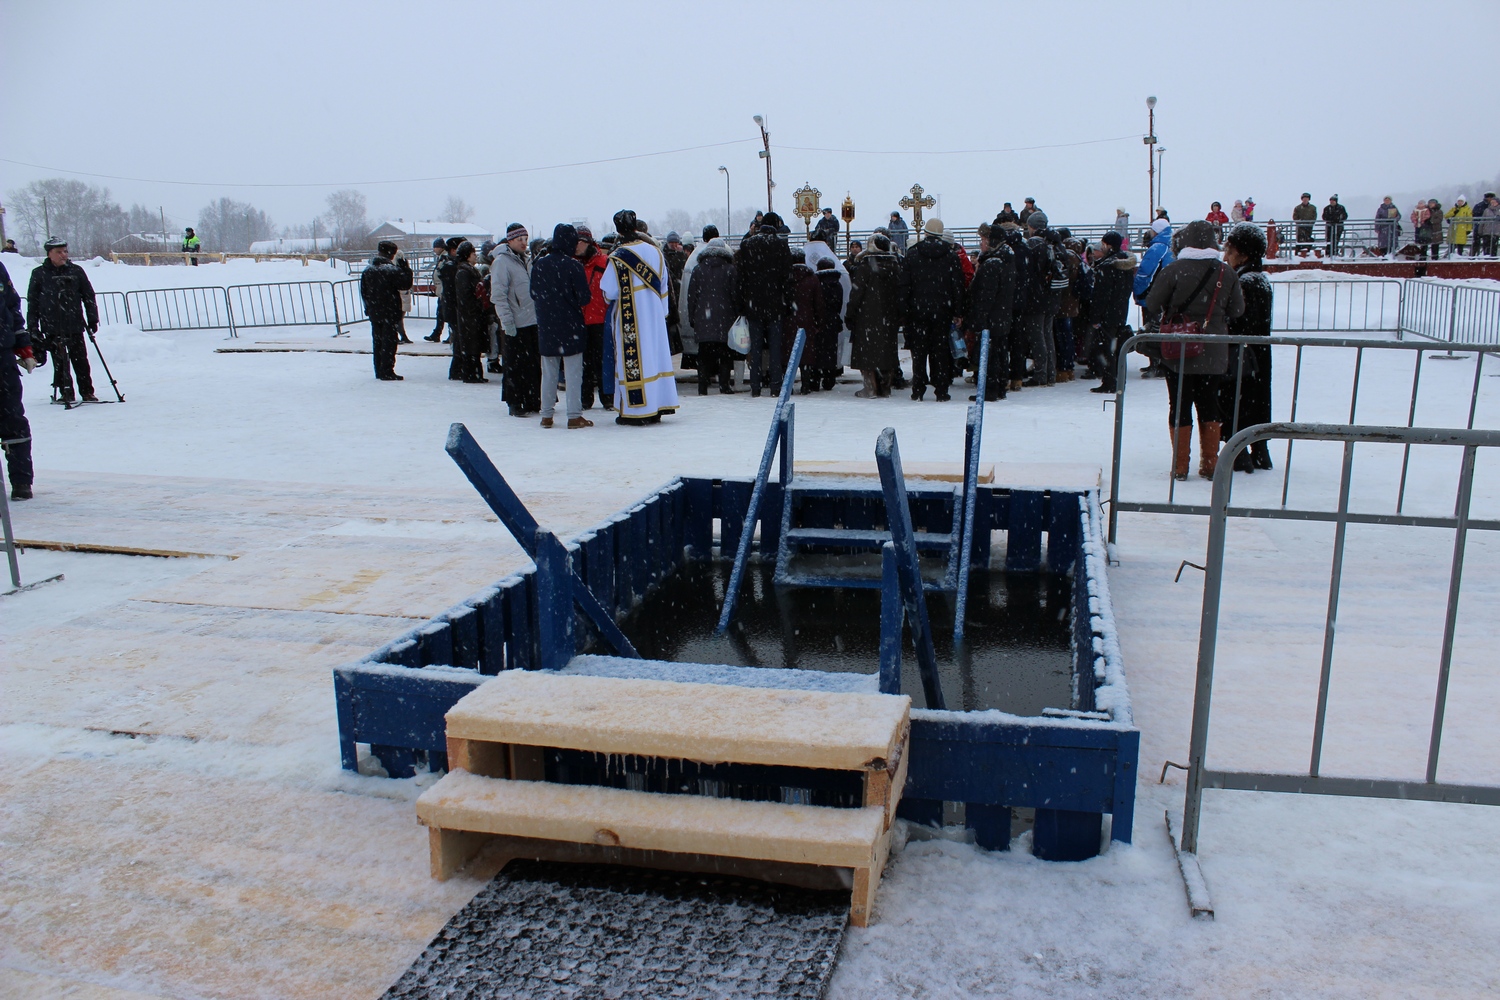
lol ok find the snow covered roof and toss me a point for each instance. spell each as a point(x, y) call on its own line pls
point(305, 244)
point(430, 229)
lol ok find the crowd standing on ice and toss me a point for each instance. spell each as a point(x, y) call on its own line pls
point(604, 319)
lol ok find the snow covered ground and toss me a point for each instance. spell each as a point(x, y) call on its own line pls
point(175, 823)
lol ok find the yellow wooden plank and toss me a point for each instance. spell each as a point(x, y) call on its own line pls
point(706, 722)
point(688, 824)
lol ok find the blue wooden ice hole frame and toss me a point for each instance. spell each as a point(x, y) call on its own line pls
point(1072, 767)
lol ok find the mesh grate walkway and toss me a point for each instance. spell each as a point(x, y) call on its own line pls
point(545, 930)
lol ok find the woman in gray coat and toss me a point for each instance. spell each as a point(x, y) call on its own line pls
point(1199, 286)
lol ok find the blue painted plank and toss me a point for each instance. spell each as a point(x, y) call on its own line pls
point(492, 633)
point(640, 552)
point(491, 486)
point(698, 517)
point(964, 727)
point(464, 623)
point(556, 644)
point(435, 644)
point(343, 700)
point(1126, 773)
point(1062, 530)
point(405, 652)
point(734, 503)
point(1038, 777)
point(1023, 543)
point(892, 621)
point(520, 631)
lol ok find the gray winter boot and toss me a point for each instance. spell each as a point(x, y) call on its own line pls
point(869, 391)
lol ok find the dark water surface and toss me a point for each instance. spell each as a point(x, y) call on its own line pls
point(1019, 657)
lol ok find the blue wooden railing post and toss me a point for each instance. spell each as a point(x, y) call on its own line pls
point(909, 570)
point(974, 432)
point(892, 619)
point(496, 492)
point(554, 603)
point(757, 493)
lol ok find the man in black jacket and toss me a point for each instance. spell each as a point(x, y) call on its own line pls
point(827, 229)
point(763, 286)
point(60, 307)
point(15, 352)
point(1114, 278)
point(1334, 217)
point(381, 285)
point(1038, 293)
point(992, 302)
point(935, 301)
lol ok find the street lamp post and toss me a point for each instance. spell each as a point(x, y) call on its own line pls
point(1150, 141)
point(1160, 171)
point(728, 223)
point(765, 154)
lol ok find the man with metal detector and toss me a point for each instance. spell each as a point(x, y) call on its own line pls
point(60, 307)
point(15, 344)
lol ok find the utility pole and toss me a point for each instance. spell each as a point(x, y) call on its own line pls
point(46, 220)
point(765, 138)
point(1150, 141)
point(728, 219)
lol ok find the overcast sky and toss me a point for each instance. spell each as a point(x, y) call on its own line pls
point(1263, 99)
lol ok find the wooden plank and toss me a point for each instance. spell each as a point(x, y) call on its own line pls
point(498, 850)
point(866, 882)
point(944, 472)
point(698, 517)
point(1023, 542)
point(689, 824)
point(1062, 530)
point(450, 850)
point(490, 760)
point(706, 722)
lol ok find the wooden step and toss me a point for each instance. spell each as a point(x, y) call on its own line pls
point(713, 723)
point(463, 811)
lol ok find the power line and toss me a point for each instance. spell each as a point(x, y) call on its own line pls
point(407, 180)
point(953, 152)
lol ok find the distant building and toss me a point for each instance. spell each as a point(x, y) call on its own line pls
point(305, 244)
point(419, 235)
point(147, 243)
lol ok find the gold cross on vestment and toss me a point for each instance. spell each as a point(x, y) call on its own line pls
point(916, 203)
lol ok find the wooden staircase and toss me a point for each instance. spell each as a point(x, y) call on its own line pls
point(562, 767)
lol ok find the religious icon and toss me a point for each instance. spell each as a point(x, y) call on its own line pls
point(807, 198)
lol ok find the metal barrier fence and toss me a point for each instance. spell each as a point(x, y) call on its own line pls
point(203, 307)
point(1314, 782)
point(1337, 305)
point(283, 303)
point(1116, 504)
point(1440, 310)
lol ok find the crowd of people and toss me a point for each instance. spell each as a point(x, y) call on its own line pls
point(1466, 230)
point(604, 319)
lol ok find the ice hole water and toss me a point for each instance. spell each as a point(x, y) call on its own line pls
point(1017, 656)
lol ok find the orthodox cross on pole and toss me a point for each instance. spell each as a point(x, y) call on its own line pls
point(916, 203)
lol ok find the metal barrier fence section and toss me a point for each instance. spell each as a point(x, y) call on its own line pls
point(1337, 305)
point(1417, 350)
point(1314, 781)
point(200, 308)
point(112, 307)
point(283, 303)
point(1444, 311)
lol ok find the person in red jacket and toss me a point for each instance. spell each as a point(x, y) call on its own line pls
point(595, 262)
point(1217, 218)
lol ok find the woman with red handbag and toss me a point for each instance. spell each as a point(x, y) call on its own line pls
point(1195, 294)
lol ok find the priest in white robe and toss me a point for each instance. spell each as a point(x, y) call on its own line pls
point(636, 286)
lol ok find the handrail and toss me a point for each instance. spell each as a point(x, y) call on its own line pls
point(973, 433)
point(908, 570)
point(757, 493)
